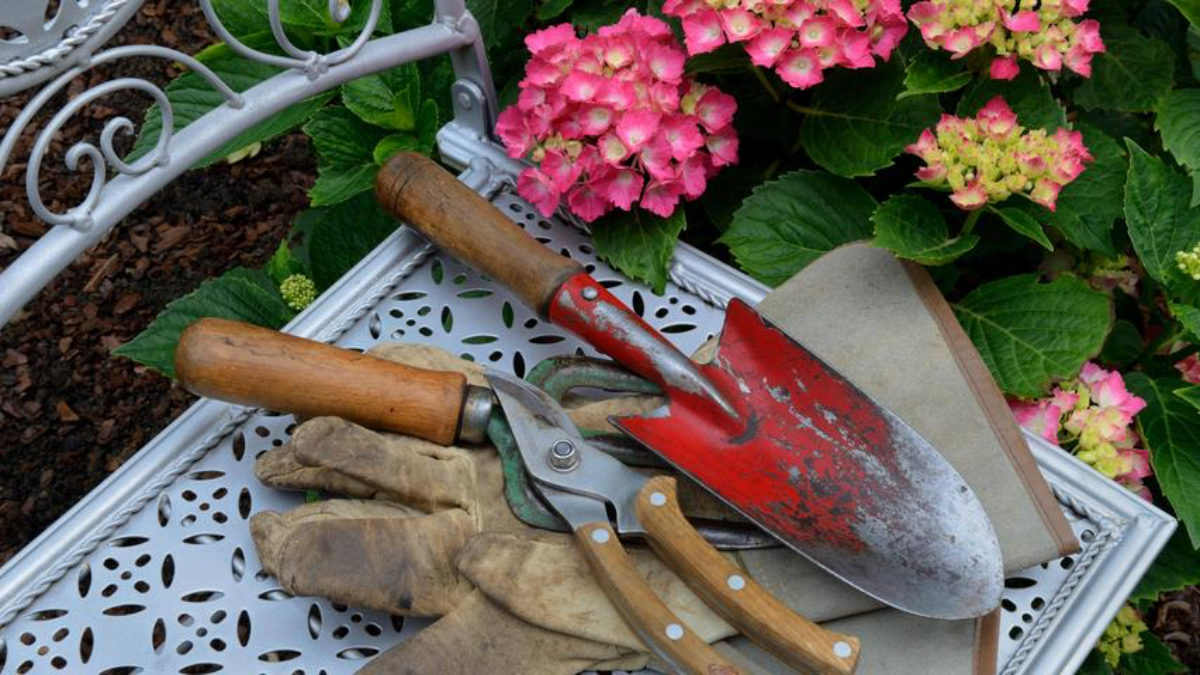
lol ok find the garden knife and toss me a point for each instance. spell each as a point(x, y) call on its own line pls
point(766, 425)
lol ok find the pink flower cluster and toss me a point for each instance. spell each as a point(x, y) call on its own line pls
point(1048, 37)
point(1094, 411)
point(1190, 369)
point(611, 120)
point(989, 157)
point(799, 38)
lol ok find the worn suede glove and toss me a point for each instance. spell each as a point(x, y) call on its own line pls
point(427, 532)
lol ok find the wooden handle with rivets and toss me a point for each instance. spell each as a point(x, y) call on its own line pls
point(724, 587)
point(643, 610)
point(418, 191)
point(249, 365)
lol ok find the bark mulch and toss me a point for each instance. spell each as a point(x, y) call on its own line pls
point(70, 413)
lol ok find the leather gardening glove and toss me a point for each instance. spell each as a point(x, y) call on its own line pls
point(519, 599)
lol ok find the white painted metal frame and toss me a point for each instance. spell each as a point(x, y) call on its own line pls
point(98, 582)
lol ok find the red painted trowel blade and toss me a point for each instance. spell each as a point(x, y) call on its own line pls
point(831, 473)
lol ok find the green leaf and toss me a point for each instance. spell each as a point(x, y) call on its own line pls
point(1177, 566)
point(931, 72)
point(1030, 333)
point(1190, 394)
point(313, 16)
point(912, 228)
point(339, 236)
point(390, 99)
point(639, 243)
point(1132, 75)
point(242, 18)
point(282, 265)
point(237, 294)
point(501, 21)
point(1028, 95)
point(725, 59)
point(552, 8)
point(1187, 316)
point(1124, 344)
point(1159, 220)
point(191, 97)
point(345, 148)
point(1154, 659)
point(1024, 224)
point(1170, 428)
point(1089, 205)
point(397, 143)
point(1095, 665)
point(1189, 8)
point(787, 223)
point(855, 126)
point(1178, 121)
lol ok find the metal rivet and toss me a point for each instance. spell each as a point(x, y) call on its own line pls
point(600, 536)
point(674, 631)
point(842, 649)
point(590, 293)
point(658, 499)
point(736, 582)
point(563, 456)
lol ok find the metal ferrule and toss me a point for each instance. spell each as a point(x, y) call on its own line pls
point(476, 410)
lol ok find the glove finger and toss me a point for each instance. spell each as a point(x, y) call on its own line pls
point(387, 466)
point(366, 554)
point(480, 637)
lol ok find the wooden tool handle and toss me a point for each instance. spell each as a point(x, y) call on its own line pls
point(645, 613)
point(421, 193)
point(723, 586)
point(245, 364)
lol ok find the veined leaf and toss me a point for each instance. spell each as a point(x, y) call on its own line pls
point(1132, 75)
point(1187, 316)
point(1028, 96)
point(1189, 8)
point(283, 265)
point(855, 126)
point(1170, 428)
point(910, 227)
point(1176, 567)
point(393, 99)
point(1024, 224)
point(501, 21)
point(552, 8)
point(345, 148)
point(789, 222)
point(1191, 395)
point(639, 243)
point(1178, 121)
point(341, 235)
point(931, 72)
point(243, 295)
point(191, 98)
point(1090, 204)
point(1153, 659)
point(1159, 219)
point(1031, 333)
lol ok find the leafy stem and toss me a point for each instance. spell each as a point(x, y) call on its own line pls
point(969, 223)
point(766, 84)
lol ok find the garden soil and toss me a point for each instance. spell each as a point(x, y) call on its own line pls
point(70, 413)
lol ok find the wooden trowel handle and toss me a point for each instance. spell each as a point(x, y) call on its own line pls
point(421, 193)
point(245, 364)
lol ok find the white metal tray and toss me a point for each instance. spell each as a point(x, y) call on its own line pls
point(154, 571)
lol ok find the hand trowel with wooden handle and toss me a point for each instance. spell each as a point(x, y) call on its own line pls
point(766, 425)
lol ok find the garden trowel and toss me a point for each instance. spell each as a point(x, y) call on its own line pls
point(765, 425)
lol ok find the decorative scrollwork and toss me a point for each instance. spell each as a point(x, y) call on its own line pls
point(314, 64)
point(68, 44)
point(105, 156)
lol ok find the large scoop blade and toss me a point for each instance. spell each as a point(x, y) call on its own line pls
point(835, 476)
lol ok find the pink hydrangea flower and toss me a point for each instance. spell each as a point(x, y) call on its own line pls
point(1048, 36)
point(1189, 368)
point(990, 157)
point(800, 39)
point(611, 121)
point(1094, 414)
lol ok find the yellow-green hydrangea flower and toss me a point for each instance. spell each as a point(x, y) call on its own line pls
point(298, 291)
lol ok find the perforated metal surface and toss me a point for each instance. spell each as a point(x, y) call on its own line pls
point(178, 587)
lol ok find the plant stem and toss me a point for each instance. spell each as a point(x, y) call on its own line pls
point(803, 109)
point(762, 79)
point(969, 223)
